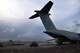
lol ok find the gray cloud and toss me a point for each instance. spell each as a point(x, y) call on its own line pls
point(15, 25)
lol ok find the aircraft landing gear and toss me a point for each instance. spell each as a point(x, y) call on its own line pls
point(59, 41)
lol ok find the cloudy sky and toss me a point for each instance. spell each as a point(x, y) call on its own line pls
point(15, 23)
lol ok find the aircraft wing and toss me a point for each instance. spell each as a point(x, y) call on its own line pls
point(52, 34)
point(71, 36)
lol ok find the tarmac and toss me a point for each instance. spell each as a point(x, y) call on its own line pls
point(75, 48)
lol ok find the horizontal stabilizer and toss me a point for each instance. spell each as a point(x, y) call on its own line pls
point(34, 16)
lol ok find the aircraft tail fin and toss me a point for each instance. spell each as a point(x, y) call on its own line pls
point(44, 15)
point(45, 9)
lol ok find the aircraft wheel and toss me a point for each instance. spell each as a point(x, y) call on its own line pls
point(60, 43)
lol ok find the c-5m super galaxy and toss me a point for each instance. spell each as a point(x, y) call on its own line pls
point(60, 35)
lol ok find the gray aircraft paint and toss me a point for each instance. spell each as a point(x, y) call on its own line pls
point(50, 27)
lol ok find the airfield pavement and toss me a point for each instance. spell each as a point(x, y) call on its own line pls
point(42, 49)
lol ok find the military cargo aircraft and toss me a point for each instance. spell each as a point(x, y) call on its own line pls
point(60, 35)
